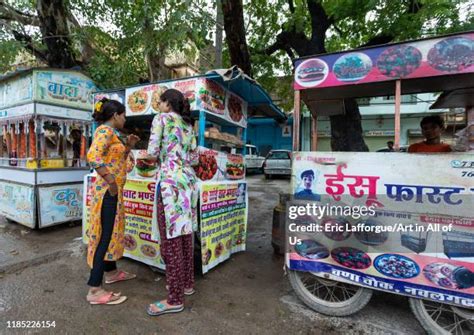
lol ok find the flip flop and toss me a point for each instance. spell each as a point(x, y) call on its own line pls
point(109, 298)
point(164, 309)
point(186, 292)
point(121, 276)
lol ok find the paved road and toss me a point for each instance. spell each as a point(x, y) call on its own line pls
point(43, 276)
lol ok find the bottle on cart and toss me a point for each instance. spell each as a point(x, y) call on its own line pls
point(13, 158)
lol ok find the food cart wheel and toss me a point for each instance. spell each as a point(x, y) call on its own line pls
point(440, 319)
point(328, 296)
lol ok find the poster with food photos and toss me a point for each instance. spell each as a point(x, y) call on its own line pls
point(223, 226)
point(138, 197)
point(144, 100)
point(416, 59)
point(416, 237)
point(219, 166)
point(216, 100)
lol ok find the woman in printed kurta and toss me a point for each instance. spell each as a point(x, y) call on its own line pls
point(108, 155)
point(173, 142)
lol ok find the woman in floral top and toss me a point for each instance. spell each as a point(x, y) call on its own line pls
point(173, 142)
point(108, 155)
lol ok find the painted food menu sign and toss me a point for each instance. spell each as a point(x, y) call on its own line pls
point(214, 99)
point(218, 166)
point(139, 166)
point(17, 203)
point(143, 100)
point(60, 204)
point(188, 88)
point(398, 224)
point(202, 94)
point(223, 215)
point(139, 197)
point(65, 89)
point(426, 58)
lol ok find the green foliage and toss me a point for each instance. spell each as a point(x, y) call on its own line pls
point(9, 50)
point(122, 32)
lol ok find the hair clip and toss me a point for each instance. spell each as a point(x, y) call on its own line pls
point(98, 107)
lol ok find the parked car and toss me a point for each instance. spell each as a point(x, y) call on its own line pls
point(278, 162)
point(253, 160)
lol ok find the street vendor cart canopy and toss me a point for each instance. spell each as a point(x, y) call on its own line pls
point(429, 65)
point(233, 80)
point(438, 64)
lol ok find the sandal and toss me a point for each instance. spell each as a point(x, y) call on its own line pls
point(106, 298)
point(186, 291)
point(120, 276)
point(164, 309)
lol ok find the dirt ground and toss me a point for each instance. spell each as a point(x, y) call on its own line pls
point(43, 277)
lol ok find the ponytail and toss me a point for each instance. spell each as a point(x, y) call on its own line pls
point(179, 104)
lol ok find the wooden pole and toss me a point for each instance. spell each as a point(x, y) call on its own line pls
point(296, 121)
point(398, 91)
point(314, 132)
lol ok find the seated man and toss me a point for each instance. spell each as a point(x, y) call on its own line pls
point(431, 128)
point(390, 146)
point(307, 194)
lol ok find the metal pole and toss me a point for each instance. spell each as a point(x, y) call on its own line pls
point(244, 139)
point(314, 132)
point(296, 121)
point(202, 127)
point(398, 91)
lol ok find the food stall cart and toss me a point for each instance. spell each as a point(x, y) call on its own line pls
point(417, 239)
point(221, 105)
point(44, 126)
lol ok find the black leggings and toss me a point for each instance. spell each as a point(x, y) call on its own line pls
point(107, 214)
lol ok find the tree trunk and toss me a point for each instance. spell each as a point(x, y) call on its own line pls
point(233, 12)
point(53, 18)
point(346, 130)
point(156, 66)
point(219, 28)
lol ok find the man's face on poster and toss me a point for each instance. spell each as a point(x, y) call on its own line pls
point(308, 182)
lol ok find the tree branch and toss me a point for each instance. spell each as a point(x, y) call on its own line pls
point(292, 6)
point(336, 28)
point(29, 45)
point(320, 23)
point(8, 13)
point(88, 50)
point(379, 39)
point(413, 7)
point(289, 40)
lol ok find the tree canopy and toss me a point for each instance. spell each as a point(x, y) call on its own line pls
point(117, 42)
